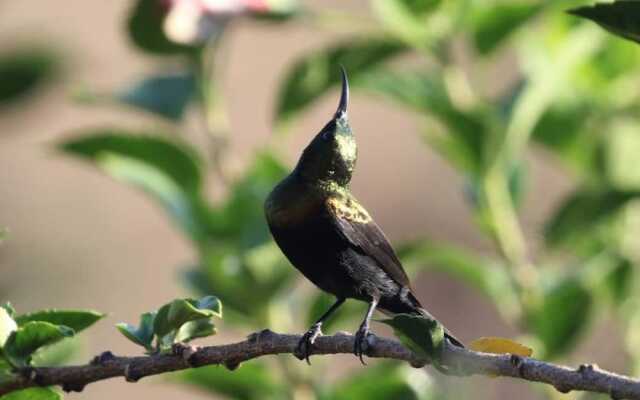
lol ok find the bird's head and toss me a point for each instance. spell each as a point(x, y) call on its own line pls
point(331, 156)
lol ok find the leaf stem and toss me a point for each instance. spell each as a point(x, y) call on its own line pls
point(507, 231)
point(213, 116)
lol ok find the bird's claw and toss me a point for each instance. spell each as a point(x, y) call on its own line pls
point(303, 350)
point(363, 343)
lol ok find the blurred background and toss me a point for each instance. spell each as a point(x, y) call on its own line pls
point(497, 149)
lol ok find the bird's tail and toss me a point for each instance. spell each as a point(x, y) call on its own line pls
point(448, 335)
point(411, 305)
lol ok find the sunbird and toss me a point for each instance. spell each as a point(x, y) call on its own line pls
point(331, 238)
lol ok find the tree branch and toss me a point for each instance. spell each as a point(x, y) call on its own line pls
point(75, 378)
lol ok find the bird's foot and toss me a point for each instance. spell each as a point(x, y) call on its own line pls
point(303, 350)
point(363, 342)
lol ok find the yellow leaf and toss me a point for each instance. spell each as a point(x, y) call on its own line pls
point(498, 345)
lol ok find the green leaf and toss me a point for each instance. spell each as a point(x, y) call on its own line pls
point(253, 380)
point(169, 170)
point(143, 334)
point(491, 26)
point(583, 212)
point(419, 7)
point(57, 354)
point(608, 274)
point(7, 326)
point(77, 320)
point(164, 95)
point(619, 17)
point(466, 131)
point(210, 303)
point(161, 326)
point(172, 316)
point(30, 337)
point(313, 75)
point(621, 154)
point(182, 311)
point(423, 336)
point(23, 70)
point(560, 316)
point(407, 19)
point(385, 380)
point(145, 26)
point(619, 281)
point(32, 394)
point(172, 158)
point(562, 129)
point(415, 89)
point(195, 329)
point(6, 370)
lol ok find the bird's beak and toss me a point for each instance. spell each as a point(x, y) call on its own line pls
point(341, 112)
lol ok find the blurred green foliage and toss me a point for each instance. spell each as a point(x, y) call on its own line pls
point(567, 99)
point(249, 381)
point(166, 95)
point(33, 394)
point(22, 70)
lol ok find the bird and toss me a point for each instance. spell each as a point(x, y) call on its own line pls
point(327, 235)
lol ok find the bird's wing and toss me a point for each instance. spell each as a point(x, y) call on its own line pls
point(353, 223)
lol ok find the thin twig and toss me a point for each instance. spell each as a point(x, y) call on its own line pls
point(74, 378)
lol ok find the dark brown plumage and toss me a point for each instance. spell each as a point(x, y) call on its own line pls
point(331, 239)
